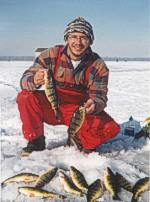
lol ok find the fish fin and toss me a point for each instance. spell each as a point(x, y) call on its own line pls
point(133, 199)
point(82, 194)
point(3, 185)
point(44, 198)
point(77, 143)
point(62, 196)
point(103, 186)
point(68, 141)
point(18, 194)
point(117, 198)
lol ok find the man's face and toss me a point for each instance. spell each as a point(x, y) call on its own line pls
point(77, 44)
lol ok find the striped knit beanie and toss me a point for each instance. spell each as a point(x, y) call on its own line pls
point(79, 25)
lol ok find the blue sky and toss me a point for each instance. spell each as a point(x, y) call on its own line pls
point(121, 27)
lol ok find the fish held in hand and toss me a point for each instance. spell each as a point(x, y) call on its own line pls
point(76, 120)
point(95, 191)
point(21, 177)
point(36, 192)
point(45, 178)
point(75, 125)
point(50, 92)
point(140, 186)
point(78, 179)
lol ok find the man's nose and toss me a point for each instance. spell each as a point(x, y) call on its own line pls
point(78, 39)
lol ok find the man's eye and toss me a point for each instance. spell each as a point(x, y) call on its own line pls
point(84, 38)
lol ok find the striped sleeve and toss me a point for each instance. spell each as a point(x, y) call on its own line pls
point(98, 85)
point(27, 80)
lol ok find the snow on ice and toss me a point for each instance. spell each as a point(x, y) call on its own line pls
point(128, 95)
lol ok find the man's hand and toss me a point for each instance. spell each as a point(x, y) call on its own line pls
point(39, 77)
point(89, 106)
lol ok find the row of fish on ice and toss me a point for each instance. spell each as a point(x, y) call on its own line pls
point(76, 184)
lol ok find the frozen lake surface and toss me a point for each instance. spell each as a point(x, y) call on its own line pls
point(129, 94)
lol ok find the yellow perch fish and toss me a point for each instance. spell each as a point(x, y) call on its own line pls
point(78, 179)
point(75, 125)
point(111, 184)
point(140, 186)
point(147, 120)
point(123, 182)
point(21, 177)
point(36, 192)
point(68, 185)
point(95, 191)
point(50, 92)
point(45, 178)
point(76, 120)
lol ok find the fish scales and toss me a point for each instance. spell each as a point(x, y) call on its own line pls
point(50, 92)
point(78, 179)
point(45, 178)
point(95, 191)
point(111, 183)
point(124, 183)
point(36, 192)
point(73, 141)
point(21, 177)
point(76, 120)
point(68, 185)
point(74, 127)
point(74, 124)
point(140, 186)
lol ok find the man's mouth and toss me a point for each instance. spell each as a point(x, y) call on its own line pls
point(78, 48)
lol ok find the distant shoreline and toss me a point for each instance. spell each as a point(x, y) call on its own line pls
point(31, 58)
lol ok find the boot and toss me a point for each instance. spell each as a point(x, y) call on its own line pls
point(36, 145)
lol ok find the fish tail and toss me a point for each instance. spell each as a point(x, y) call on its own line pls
point(76, 142)
point(82, 194)
point(116, 197)
point(57, 115)
point(133, 199)
point(18, 194)
point(69, 142)
point(62, 197)
point(3, 185)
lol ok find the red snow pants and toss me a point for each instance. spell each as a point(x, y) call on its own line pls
point(35, 109)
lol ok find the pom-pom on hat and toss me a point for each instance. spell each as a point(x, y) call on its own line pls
point(79, 25)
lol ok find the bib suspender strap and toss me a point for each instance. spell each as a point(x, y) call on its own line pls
point(87, 72)
point(58, 61)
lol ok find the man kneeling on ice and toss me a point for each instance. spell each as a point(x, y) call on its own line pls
point(75, 76)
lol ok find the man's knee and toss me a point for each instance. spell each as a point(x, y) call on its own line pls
point(111, 129)
point(24, 96)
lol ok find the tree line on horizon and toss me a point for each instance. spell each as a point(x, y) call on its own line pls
point(107, 58)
